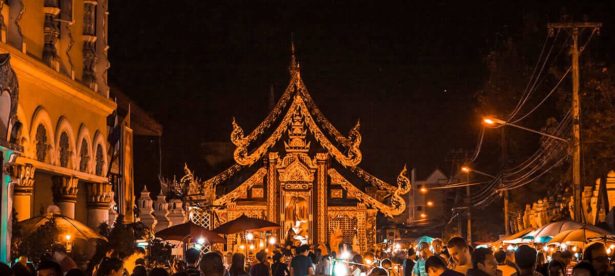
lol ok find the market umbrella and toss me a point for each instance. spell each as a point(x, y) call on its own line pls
point(514, 238)
point(64, 224)
point(579, 237)
point(550, 230)
point(189, 229)
point(244, 223)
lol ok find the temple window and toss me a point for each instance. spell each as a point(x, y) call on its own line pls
point(41, 143)
point(64, 150)
point(84, 156)
point(99, 160)
point(89, 19)
point(66, 10)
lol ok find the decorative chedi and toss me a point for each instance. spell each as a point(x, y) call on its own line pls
point(176, 215)
point(160, 212)
point(146, 209)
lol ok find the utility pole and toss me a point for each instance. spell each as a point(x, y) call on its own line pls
point(573, 28)
point(469, 199)
point(504, 160)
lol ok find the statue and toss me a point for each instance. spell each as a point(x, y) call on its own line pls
point(336, 238)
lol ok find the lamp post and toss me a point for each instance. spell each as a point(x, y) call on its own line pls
point(495, 122)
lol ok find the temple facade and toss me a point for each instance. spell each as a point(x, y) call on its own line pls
point(298, 170)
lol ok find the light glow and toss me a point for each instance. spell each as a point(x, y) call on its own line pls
point(423, 190)
point(249, 236)
point(200, 240)
point(251, 247)
point(340, 269)
point(430, 203)
point(345, 255)
point(466, 169)
point(272, 240)
point(67, 237)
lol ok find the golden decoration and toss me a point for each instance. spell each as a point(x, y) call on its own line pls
point(256, 178)
point(242, 157)
point(398, 203)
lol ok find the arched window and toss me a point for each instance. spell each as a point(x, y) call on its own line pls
point(99, 160)
point(41, 143)
point(84, 155)
point(64, 149)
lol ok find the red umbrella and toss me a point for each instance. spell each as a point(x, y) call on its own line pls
point(244, 223)
point(182, 231)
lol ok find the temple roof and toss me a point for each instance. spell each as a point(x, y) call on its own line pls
point(296, 106)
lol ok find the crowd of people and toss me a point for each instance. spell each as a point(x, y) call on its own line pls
point(455, 258)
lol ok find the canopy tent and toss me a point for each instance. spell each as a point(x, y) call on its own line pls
point(580, 237)
point(183, 231)
point(512, 239)
point(245, 223)
point(545, 233)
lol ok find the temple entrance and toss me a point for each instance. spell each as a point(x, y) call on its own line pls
point(297, 220)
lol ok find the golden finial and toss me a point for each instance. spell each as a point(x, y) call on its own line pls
point(294, 65)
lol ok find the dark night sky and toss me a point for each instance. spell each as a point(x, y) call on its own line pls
point(407, 69)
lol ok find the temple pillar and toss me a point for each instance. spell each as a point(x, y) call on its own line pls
point(321, 198)
point(51, 34)
point(160, 212)
point(272, 189)
point(65, 194)
point(146, 209)
point(23, 181)
point(100, 196)
point(176, 215)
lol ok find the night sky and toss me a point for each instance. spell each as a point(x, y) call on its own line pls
point(408, 70)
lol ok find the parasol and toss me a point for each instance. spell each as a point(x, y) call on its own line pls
point(244, 223)
point(189, 229)
point(544, 233)
point(64, 224)
point(579, 237)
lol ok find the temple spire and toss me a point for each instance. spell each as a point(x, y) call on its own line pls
point(294, 65)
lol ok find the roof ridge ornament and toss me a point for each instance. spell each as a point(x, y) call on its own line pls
point(294, 67)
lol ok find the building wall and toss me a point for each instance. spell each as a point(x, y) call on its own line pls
point(56, 94)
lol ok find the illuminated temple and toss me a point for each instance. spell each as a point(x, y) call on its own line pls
point(298, 170)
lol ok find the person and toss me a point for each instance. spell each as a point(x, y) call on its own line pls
point(503, 266)
point(357, 266)
point(460, 253)
point(556, 268)
point(483, 263)
point(595, 254)
point(192, 258)
point(49, 268)
point(211, 264)
point(22, 267)
point(158, 271)
point(526, 261)
point(409, 262)
point(278, 268)
point(139, 271)
point(262, 267)
point(6, 270)
point(238, 265)
point(435, 266)
point(58, 253)
point(424, 253)
point(378, 271)
point(324, 266)
point(130, 260)
point(110, 267)
point(301, 264)
point(387, 264)
point(584, 269)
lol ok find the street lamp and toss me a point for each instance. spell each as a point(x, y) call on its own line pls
point(430, 203)
point(423, 215)
point(468, 170)
point(423, 190)
point(495, 122)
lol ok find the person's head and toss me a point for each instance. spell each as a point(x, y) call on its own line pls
point(566, 257)
point(238, 263)
point(510, 256)
point(6, 270)
point(49, 268)
point(500, 256)
point(192, 256)
point(526, 257)
point(277, 257)
point(111, 267)
point(595, 254)
point(483, 259)
point(386, 263)
point(139, 271)
point(211, 264)
point(424, 250)
point(75, 272)
point(261, 256)
point(140, 261)
point(411, 253)
point(378, 272)
point(584, 269)
point(303, 250)
point(158, 271)
point(459, 251)
point(540, 259)
point(556, 268)
point(435, 266)
point(436, 245)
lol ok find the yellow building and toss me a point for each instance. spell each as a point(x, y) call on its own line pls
point(57, 132)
